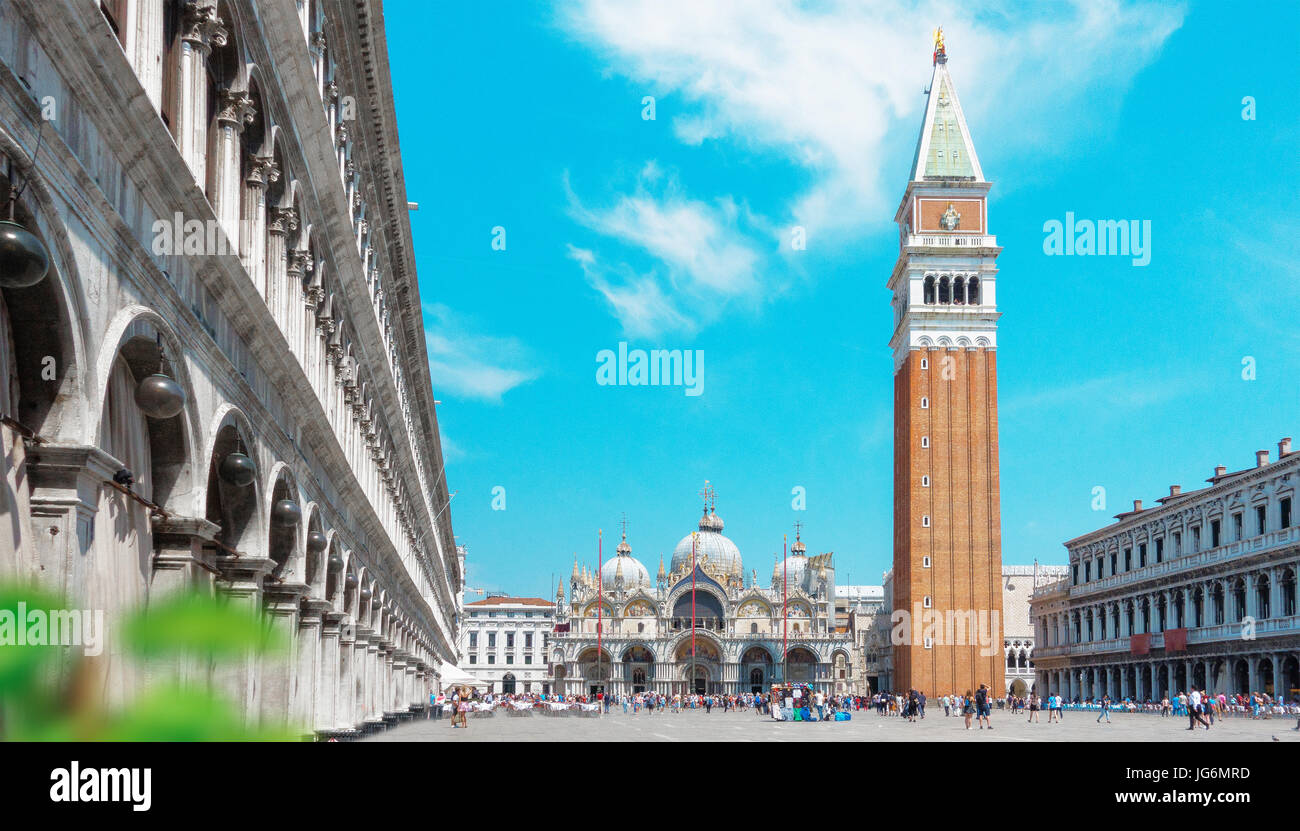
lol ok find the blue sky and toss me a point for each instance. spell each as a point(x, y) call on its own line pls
point(674, 233)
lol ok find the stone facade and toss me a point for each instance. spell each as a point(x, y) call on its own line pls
point(219, 185)
point(503, 642)
point(1198, 591)
point(620, 633)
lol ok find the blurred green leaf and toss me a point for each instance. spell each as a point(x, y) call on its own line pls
point(200, 626)
point(185, 714)
point(20, 666)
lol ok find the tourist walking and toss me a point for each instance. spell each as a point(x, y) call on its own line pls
point(968, 708)
point(982, 708)
point(1105, 709)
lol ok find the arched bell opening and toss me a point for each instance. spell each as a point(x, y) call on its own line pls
point(232, 488)
point(285, 529)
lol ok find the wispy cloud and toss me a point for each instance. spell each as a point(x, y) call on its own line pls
point(835, 86)
point(708, 258)
point(465, 363)
point(1122, 392)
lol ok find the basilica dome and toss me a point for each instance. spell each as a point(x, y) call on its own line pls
point(792, 568)
point(634, 574)
point(721, 552)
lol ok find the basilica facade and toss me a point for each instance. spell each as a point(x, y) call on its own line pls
point(700, 624)
point(216, 379)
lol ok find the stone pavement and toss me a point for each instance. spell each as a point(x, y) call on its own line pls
point(865, 726)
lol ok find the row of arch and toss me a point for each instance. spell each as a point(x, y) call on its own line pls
point(955, 290)
point(252, 171)
point(1260, 595)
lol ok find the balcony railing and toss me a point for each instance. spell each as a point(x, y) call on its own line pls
point(952, 240)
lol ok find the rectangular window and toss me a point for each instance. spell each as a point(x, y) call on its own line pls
point(528, 640)
point(473, 659)
point(1142, 554)
point(1128, 559)
point(1074, 574)
point(510, 640)
point(1196, 539)
point(473, 640)
point(925, 562)
point(1286, 512)
point(1237, 523)
point(1114, 562)
point(510, 657)
point(1087, 571)
point(492, 640)
point(1178, 543)
point(528, 659)
point(492, 659)
point(1160, 549)
point(1216, 532)
point(1261, 519)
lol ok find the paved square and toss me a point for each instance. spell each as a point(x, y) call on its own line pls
point(865, 726)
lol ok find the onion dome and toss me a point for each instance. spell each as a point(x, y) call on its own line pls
point(792, 568)
point(710, 544)
point(625, 566)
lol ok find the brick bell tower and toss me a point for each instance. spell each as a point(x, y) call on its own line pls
point(947, 521)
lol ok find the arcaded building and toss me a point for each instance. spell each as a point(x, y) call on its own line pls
point(220, 379)
point(1196, 590)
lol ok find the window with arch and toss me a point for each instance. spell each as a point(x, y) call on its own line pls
point(973, 291)
point(928, 292)
point(925, 521)
point(959, 291)
point(753, 628)
point(925, 481)
point(925, 403)
point(945, 291)
point(926, 602)
point(925, 363)
point(925, 561)
point(925, 442)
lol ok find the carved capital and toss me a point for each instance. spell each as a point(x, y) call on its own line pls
point(262, 171)
point(236, 109)
point(298, 262)
point(283, 220)
point(318, 42)
point(200, 25)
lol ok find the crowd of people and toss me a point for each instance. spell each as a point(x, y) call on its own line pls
point(800, 702)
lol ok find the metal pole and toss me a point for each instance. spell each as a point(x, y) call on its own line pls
point(785, 583)
point(600, 605)
point(692, 684)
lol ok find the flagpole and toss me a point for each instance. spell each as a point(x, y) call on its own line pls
point(693, 538)
point(600, 604)
point(785, 620)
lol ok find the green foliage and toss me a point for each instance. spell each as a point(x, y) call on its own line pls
point(199, 626)
point(49, 693)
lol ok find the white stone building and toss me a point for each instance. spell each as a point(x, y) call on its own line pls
point(1199, 590)
point(219, 190)
point(1018, 585)
point(503, 642)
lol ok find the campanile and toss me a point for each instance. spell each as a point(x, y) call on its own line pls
point(947, 522)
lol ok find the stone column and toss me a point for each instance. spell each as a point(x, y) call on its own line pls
point(252, 246)
point(1276, 659)
point(327, 681)
point(283, 221)
point(345, 704)
point(279, 675)
point(308, 681)
point(181, 564)
point(235, 111)
point(240, 584)
point(201, 29)
point(144, 46)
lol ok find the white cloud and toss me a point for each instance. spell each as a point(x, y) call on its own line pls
point(708, 257)
point(463, 362)
point(836, 86)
